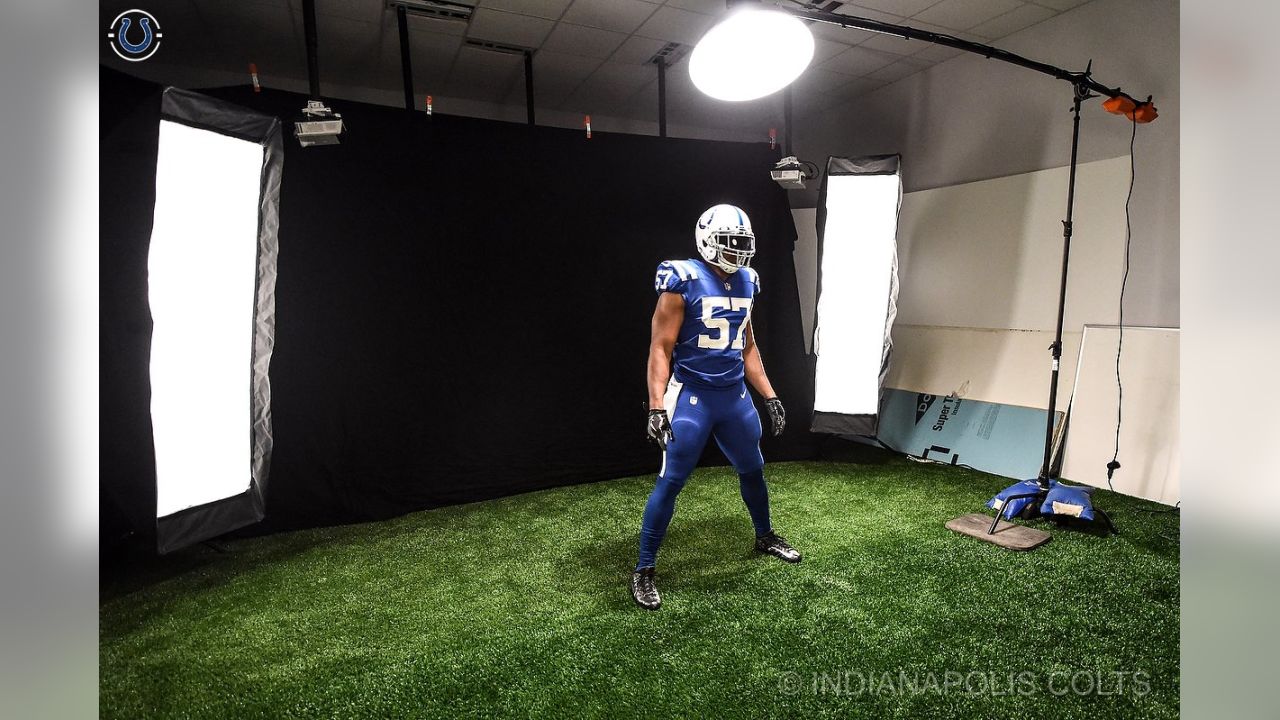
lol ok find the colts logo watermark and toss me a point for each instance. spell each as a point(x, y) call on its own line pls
point(134, 35)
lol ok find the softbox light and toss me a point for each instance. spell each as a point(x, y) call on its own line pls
point(857, 290)
point(211, 269)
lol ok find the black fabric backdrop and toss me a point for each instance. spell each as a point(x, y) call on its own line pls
point(463, 305)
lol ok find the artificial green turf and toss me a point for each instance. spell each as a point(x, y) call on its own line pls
point(519, 607)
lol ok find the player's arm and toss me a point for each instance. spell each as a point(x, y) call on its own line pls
point(755, 366)
point(754, 369)
point(667, 318)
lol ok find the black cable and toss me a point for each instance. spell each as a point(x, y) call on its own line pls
point(1176, 508)
point(1124, 282)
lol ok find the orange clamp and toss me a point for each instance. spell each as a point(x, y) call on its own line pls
point(1139, 112)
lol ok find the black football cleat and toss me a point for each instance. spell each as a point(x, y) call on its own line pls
point(644, 590)
point(773, 544)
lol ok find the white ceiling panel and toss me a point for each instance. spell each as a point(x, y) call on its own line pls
point(333, 29)
point(899, 70)
point(617, 15)
point(674, 24)
point(901, 8)
point(637, 50)
point(433, 40)
point(858, 10)
point(894, 44)
point(550, 67)
point(508, 28)
point(937, 53)
point(1019, 18)
point(824, 50)
point(580, 40)
point(362, 10)
point(1061, 5)
point(436, 25)
point(964, 14)
point(843, 35)
point(858, 61)
point(486, 61)
point(548, 9)
point(483, 74)
point(706, 7)
point(962, 34)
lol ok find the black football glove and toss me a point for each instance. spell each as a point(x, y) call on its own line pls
point(777, 414)
point(660, 428)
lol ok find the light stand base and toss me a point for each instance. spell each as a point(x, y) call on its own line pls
point(1007, 535)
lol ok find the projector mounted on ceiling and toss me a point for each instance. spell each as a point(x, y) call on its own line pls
point(791, 173)
point(319, 125)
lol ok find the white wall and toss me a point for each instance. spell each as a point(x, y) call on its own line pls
point(970, 118)
point(979, 268)
point(988, 254)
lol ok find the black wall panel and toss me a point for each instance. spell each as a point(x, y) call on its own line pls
point(463, 305)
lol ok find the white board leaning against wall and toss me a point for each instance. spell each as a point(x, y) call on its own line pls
point(1149, 434)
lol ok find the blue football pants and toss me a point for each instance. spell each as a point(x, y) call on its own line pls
point(697, 412)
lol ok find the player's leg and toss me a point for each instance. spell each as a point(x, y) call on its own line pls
point(690, 426)
point(737, 432)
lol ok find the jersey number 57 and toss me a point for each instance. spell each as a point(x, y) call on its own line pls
point(721, 325)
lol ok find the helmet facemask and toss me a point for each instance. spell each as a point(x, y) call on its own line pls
point(734, 250)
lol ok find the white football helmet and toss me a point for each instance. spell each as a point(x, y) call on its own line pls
point(724, 238)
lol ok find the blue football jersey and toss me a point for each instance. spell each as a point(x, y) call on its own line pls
point(709, 347)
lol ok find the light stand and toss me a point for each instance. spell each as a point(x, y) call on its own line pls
point(1083, 87)
point(1055, 350)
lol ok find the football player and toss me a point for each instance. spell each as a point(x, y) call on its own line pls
point(702, 350)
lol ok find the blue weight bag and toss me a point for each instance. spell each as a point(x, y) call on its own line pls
point(1068, 501)
point(1013, 508)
